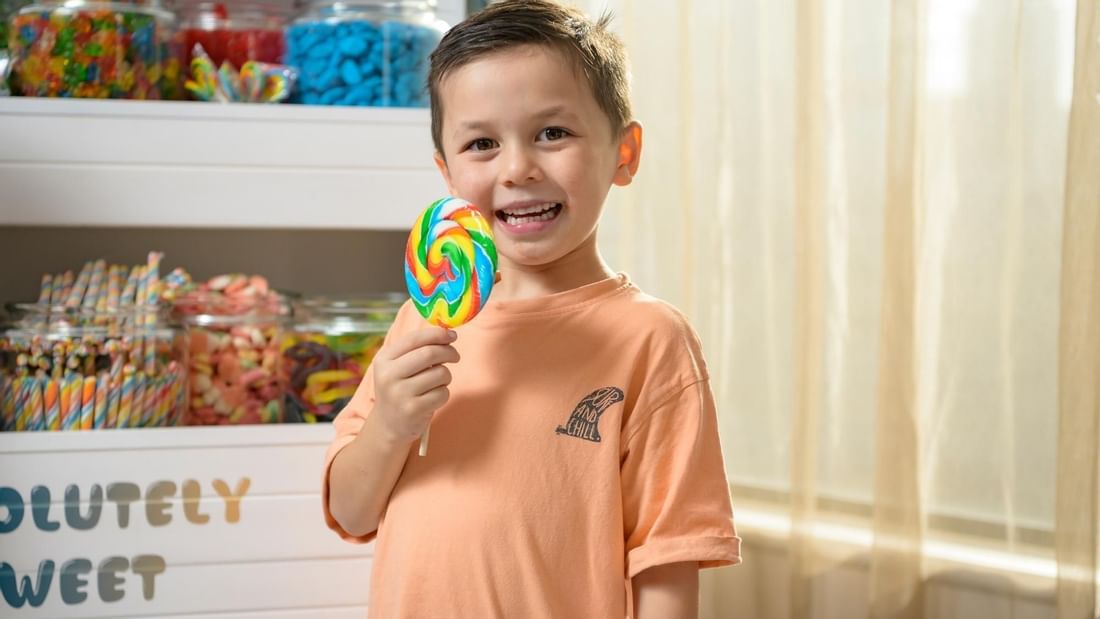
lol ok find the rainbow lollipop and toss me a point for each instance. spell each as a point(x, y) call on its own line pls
point(450, 262)
point(450, 266)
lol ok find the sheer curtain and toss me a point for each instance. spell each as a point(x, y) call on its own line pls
point(878, 218)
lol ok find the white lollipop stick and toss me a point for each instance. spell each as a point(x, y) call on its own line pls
point(424, 441)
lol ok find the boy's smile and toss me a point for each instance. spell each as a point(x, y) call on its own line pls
point(525, 140)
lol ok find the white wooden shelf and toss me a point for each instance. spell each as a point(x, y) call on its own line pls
point(187, 164)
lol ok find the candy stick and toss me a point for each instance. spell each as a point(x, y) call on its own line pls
point(35, 416)
point(112, 403)
point(87, 407)
point(95, 281)
point(66, 289)
point(52, 404)
point(7, 403)
point(152, 298)
point(126, 399)
point(76, 295)
point(137, 417)
point(22, 394)
point(99, 418)
point(72, 420)
point(45, 290)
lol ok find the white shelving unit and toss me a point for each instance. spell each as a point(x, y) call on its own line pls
point(186, 164)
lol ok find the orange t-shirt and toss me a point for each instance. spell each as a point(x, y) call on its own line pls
point(579, 447)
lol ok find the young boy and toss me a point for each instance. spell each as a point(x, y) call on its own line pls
point(574, 468)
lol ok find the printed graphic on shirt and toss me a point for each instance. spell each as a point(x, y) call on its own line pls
point(584, 422)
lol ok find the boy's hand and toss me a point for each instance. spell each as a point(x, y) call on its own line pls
point(410, 380)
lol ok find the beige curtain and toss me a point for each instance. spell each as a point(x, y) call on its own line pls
point(885, 230)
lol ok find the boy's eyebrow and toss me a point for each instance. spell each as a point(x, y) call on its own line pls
point(480, 125)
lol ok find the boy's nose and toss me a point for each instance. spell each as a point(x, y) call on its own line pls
point(520, 167)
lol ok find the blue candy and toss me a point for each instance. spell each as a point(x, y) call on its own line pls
point(360, 62)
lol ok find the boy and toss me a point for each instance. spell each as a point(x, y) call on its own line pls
point(574, 469)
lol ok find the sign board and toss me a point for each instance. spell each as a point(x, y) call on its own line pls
point(172, 521)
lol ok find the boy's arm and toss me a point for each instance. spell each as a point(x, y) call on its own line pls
point(668, 591)
point(362, 477)
point(405, 384)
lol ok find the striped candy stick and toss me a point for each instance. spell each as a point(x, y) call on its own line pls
point(76, 295)
point(70, 396)
point(137, 417)
point(7, 403)
point(152, 299)
point(36, 421)
point(22, 408)
point(45, 290)
point(113, 394)
point(52, 404)
point(126, 397)
point(87, 406)
point(66, 289)
point(95, 282)
point(99, 416)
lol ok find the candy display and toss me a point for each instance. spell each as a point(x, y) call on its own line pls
point(93, 49)
point(96, 351)
point(234, 32)
point(450, 262)
point(257, 82)
point(235, 326)
point(363, 52)
point(329, 348)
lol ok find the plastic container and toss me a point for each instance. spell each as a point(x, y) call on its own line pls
point(73, 369)
point(328, 349)
point(100, 50)
point(364, 52)
point(237, 31)
point(236, 374)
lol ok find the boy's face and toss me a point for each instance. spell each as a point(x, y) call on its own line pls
point(524, 140)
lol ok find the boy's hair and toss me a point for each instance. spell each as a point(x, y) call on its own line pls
point(597, 52)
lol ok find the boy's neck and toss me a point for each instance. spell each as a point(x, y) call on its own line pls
point(579, 268)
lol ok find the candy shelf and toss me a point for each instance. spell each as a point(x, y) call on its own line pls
point(70, 162)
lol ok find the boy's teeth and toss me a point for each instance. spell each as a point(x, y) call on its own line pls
point(512, 220)
point(530, 209)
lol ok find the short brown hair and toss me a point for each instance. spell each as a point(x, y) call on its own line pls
point(598, 52)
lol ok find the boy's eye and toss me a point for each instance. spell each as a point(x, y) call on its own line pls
point(552, 133)
point(481, 144)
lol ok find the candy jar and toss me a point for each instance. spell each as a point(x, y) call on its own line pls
point(95, 49)
point(236, 31)
point(79, 368)
point(364, 52)
point(328, 348)
point(235, 325)
point(7, 10)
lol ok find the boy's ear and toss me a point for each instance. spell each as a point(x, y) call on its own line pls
point(441, 163)
point(630, 154)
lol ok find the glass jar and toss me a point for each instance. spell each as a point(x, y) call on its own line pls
point(67, 368)
point(236, 374)
point(364, 52)
point(328, 349)
point(94, 49)
point(237, 31)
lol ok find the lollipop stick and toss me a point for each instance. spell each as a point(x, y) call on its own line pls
point(424, 441)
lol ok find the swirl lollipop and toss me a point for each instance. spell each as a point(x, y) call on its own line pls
point(450, 266)
point(450, 262)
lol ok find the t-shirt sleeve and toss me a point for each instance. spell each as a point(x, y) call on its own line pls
point(347, 425)
point(676, 500)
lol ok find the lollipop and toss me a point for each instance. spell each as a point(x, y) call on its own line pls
point(450, 266)
point(450, 262)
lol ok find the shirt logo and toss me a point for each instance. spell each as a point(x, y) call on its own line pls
point(584, 422)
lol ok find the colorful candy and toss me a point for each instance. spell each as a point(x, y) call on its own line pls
point(104, 50)
point(256, 82)
point(450, 262)
point(235, 325)
point(70, 360)
point(357, 61)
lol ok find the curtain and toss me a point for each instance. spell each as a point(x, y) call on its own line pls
point(883, 219)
